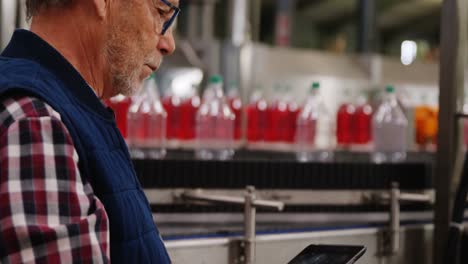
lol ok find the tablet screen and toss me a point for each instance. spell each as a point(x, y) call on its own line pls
point(329, 254)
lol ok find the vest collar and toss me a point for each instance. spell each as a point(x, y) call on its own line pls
point(26, 45)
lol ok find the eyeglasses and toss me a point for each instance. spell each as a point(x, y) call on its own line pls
point(167, 24)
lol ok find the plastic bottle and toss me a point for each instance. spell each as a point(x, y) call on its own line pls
point(173, 105)
point(208, 93)
point(345, 123)
point(389, 126)
point(426, 122)
point(277, 125)
point(408, 103)
point(215, 125)
point(189, 110)
point(432, 128)
point(235, 103)
point(147, 123)
point(421, 116)
point(293, 113)
point(120, 104)
point(363, 122)
point(315, 130)
point(256, 117)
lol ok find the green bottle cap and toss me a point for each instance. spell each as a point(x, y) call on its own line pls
point(215, 79)
point(315, 85)
point(390, 89)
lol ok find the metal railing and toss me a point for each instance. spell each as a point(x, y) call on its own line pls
point(394, 197)
point(250, 203)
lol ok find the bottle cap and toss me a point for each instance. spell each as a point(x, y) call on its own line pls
point(215, 79)
point(315, 85)
point(390, 89)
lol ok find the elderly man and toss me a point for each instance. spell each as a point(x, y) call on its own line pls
point(68, 191)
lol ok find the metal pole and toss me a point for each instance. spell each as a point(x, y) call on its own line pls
point(394, 218)
point(256, 14)
point(207, 18)
point(249, 227)
point(366, 29)
point(238, 22)
point(193, 24)
point(452, 64)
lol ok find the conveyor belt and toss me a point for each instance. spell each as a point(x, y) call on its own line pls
point(182, 231)
point(190, 208)
point(281, 174)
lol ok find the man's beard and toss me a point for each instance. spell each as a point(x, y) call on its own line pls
point(123, 73)
point(124, 69)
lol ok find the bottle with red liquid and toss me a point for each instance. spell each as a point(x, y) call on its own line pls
point(215, 125)
point(235, 103)
point(256, 118)
point(315, 140)
point(345, 131)
point(363, 122)
point(147, 123)
point(173, 106)
point(293, 113)
point(120, 104)
point(278, 116)
point(189, 113)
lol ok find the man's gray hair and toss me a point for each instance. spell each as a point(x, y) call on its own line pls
point(33, 6)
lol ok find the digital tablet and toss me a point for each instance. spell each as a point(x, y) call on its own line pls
point(329, 254)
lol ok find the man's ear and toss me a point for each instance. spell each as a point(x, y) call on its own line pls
point(100, 7)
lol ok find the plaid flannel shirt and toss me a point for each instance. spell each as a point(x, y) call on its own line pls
point(48, 212)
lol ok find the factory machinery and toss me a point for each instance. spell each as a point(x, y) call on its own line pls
point(263, 207)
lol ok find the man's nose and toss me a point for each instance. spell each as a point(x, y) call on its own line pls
point(166, 44)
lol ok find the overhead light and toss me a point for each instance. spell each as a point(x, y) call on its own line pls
point(409, 51)
point(184, 80)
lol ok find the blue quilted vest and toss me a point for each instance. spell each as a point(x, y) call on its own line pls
point(30, 66)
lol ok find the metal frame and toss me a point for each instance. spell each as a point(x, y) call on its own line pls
point(395, 197)
point(391, 237)
point(448, 165)
point(280, 248)
point(250, 204)
point(288, 197)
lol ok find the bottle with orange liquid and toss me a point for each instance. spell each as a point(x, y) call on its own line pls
point(426, 122)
